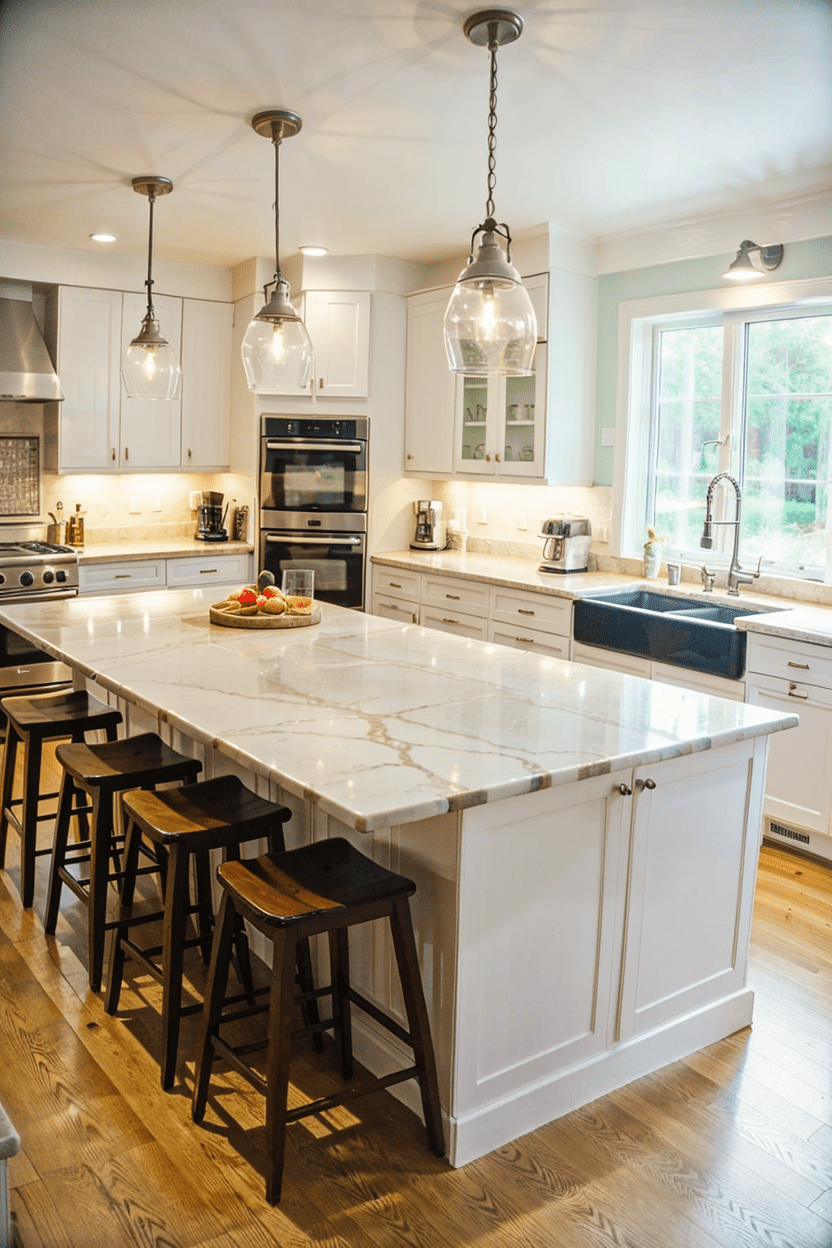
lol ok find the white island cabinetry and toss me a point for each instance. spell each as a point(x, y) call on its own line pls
point(561, 833)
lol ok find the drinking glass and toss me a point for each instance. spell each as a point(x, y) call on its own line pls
point(299, 583)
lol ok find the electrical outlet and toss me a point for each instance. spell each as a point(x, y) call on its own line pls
point(157, 502)
point(608, 435)
point(194, 499)
point(521, 521)
point(483, 517)
point(135, 505)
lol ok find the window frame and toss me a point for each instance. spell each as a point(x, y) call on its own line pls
point(639, 325)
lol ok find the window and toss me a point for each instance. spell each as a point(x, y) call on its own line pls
point(747, 392)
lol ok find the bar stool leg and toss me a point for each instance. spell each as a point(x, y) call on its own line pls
point(32, 753)
point(401, 927)
point(339, 962)
point(177, 898)
point(101, 835)
point(53, 896)
point(215, 989)
point(131, 862)
point(9, 764)
point(281, 1006)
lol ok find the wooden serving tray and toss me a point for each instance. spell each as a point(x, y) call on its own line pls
point(218, 616)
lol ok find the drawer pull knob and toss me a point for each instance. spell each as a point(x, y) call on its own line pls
point(645, 784)
point(625, 790)
point(803, 666)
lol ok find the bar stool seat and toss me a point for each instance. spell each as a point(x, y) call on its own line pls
point(325, 887)
point(30, 721)
point(220, 814)
point(29, 679)
point(102, 771)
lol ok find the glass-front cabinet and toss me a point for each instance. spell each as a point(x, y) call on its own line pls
point(500, 423)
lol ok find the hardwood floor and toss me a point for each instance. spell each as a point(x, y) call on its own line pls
point(731, 1147)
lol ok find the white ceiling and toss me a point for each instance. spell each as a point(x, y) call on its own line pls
point(613, 116)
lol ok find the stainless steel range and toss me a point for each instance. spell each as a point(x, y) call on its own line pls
point(32, 571)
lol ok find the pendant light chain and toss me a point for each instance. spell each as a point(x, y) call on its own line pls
point(492, 131)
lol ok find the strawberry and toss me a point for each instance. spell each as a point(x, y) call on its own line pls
point(270, 591)
point(248, 598)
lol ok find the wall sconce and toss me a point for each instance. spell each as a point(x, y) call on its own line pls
point(742, 270)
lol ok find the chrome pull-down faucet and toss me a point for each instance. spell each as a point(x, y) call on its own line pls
point(736, 576)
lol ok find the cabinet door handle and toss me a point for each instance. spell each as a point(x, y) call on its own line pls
point(189, 452)
point(803, 666)
point(113, 454)
point(409, 456)
point(625, 790)
point(645, 784)
point(524, 611)
point(497, 458)
point(792, 694)
point(320, 383)
point(488, 458)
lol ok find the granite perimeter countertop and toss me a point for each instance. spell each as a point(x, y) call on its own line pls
point(375, 722)
point(158, 548)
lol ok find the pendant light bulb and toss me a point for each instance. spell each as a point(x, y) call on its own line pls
point(149, 367)
point(490, 325)
point(277, 351)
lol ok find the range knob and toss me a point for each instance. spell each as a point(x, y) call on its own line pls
point(26, 578)
point(48, 576)
point(2, 579)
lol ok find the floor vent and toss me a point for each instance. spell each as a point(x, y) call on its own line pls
point(779, 830)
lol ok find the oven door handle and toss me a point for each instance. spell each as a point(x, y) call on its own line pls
point(301, 539)
point(38, 595)
point(352, 447)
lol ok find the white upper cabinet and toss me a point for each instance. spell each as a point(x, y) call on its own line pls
point(83, 329)
point(501, 423)
point(97, 427)
point(206, 383)
point(339, 325)
point(150, 428)
point(430, 387)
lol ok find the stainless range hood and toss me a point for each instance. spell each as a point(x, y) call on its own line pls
point(27, 374)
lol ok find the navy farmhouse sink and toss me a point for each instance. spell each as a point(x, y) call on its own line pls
point(677, 630)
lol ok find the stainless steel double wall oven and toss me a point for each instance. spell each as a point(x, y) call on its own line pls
point(313, 502)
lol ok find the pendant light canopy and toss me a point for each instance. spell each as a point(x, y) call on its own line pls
point(277, 352)
point(150, 368)
point(490, 324)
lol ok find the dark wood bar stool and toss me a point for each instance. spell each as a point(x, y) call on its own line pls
point(187, 823)
point(101, 772)
point(30, 721)
point(31, 678)
point(325, 887)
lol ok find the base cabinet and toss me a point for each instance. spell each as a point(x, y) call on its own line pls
point(785, 676)
point(665, 673)
point(131, 575)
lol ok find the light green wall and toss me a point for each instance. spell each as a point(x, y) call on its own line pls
point(811, 258)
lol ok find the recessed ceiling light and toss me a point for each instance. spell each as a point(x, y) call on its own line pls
point(102, 237)
point(315, 251)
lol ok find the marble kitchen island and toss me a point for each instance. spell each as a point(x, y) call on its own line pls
point(584, 843)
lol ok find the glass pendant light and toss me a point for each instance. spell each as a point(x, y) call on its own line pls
point(277, 351)
point(490, 325)
point(150, 368)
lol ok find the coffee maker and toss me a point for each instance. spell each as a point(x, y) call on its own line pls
point(431, 530)
point(566, 548)
point(211, 523)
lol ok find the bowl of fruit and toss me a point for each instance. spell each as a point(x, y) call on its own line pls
point(264, 606)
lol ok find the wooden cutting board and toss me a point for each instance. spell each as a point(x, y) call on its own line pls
point(218, 616)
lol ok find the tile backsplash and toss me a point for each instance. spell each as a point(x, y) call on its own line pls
point(140, 505)
point(507, 518)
